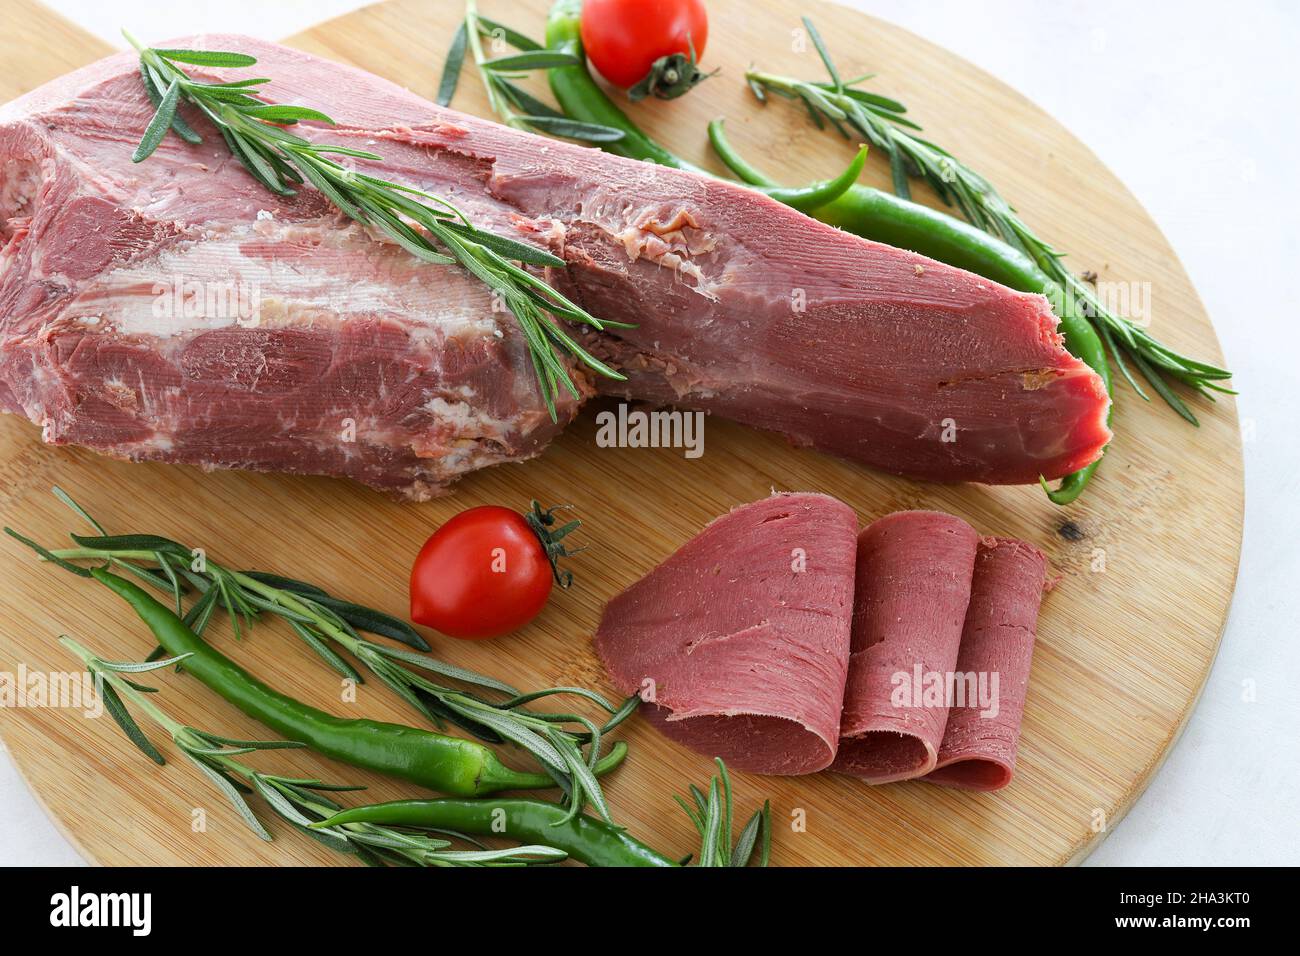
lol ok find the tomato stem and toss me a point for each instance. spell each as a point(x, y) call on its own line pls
point(543, 522)
point(670, 76)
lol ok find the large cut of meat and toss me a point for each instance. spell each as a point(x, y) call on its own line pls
point(739, 640)
point(176, 310)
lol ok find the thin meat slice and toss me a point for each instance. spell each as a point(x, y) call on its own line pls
point(979, 745)
point(913, 584)
point(739, 641)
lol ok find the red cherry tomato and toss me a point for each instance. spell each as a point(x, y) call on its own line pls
point(623, 38)
point(483, 573)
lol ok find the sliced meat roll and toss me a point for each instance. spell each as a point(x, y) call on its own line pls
point(913, 584)
point(740, 640)
point(979, 745)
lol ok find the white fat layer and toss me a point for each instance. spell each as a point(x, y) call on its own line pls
point(268, 274)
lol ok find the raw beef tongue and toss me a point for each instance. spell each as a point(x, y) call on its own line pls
point(913, 585)
point(979, 748)
point(743, 635)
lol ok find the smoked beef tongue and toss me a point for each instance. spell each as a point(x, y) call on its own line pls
point(742, 636)
point(913, 585)
point(979, 745)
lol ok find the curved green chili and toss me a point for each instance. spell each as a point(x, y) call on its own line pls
point(584, 838)
point(815, 196)
point(445, 764)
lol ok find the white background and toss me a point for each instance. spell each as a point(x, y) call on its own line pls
point(1195, 106)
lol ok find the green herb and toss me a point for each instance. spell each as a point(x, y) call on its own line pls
point(298, 801)
point(711, 814)
point(883, 123)
point(556, 741)
point(427, 226)
point(499, 76)
point(451, 67)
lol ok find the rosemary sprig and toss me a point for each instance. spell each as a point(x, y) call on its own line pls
point(299, 801)
point(556, 741)
point(881, 121)
point(499, 76)
point(712, 815)
point(427, 226)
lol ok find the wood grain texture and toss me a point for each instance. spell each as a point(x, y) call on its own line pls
point(1126, 638)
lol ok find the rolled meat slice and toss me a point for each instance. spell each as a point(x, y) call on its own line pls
point(978, 751)
point(913, 585)
point(739, 641)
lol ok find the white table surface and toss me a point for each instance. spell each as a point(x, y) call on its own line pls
point(1197, 112)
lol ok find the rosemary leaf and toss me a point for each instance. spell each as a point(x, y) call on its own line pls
point(117, 710)
point(208, 57)
point(374, 622)
point(898, 172)
point(287, 584)
point(531, 60)
point(278, 802)
point(158, 126)
point(433, 665)
point(334, 661)
point(138, 667)
point(164, 564)
point(131, 542)
point(233, 795)
point(250, 744)
point(573, 129)
point(747, 840)
point(823, 53)
point(275, 113)
point(712, 825)
point(48, 555)
point(516, 39)
point(506, 247)
point(451, 67)
point(179, 126)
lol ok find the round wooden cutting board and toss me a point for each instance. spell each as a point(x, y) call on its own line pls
point(1146, 560)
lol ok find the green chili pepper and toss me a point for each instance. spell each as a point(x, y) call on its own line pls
point(584, 838)
point(861, 210)
point(819, 194)
point(445, 764)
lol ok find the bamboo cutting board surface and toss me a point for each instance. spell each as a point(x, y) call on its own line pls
point(1126, 638)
